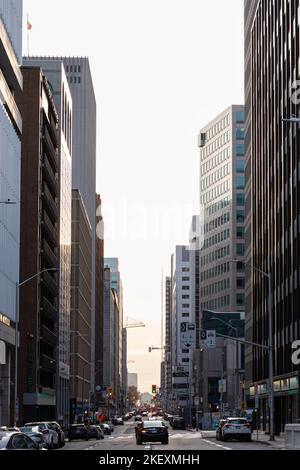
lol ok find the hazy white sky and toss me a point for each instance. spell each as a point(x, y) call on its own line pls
point(161, 69)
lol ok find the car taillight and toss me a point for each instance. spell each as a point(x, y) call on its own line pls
point(227, 426)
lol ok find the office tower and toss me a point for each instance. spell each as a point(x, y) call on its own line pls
point(272, 203)
point(117, 288)
point(168, 342)
point(56, 77)
point(132, 380)
point(81, 309)
point(222, 186)
point(99, 310)
point(110, 341)
point(39, 249)
point(10, 166)
point(182, 313)
point(124, 369)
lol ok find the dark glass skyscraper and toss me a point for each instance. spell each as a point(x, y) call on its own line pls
point(272, 41)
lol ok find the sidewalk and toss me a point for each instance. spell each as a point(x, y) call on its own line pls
point(263, 438)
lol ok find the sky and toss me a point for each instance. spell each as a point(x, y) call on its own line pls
point(162, 69)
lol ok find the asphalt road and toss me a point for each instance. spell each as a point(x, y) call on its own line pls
point(123, 438)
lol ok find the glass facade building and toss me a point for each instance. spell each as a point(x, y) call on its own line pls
point(272, 50)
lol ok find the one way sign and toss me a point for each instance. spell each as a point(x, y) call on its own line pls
point(188, 335)
point(208, 339)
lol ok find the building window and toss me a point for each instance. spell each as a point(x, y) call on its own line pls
point(240, 117)
point(185, 279)
point(240, 299)
point(240, 134)
point(240, 267)
point(185, 297)
point(240, 232)
point(185, 287)
point(240, 283)
point(240, 182)
point(186, 359)
point(185, 351)
point(185, 270)
point(240, 199)
point(240, 150)
point(79, 80)
point(185, 314)
point(185, 305)
point(240, 216)
point(240, 249)
point(240, 166)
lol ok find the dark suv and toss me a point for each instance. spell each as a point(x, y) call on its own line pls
point(178, 423)
point(78, 431)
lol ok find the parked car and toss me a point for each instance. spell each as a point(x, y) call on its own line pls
point(219, 429)
point(78, 431)
point(178, 423)
point(105, 428)
point(34, 434)
point(117, 420)
point(152, 431)
point(236, 428)
point(51, 436)
point(61, 435)
point(110, 424)
point(138, 418)
point(95, 432)
point(16, 441)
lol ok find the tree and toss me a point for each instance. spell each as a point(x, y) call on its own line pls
point(133, 396)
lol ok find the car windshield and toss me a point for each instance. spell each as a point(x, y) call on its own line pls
point(27, 429)
point(3, 439)
point(152, 424)
point(237, 421)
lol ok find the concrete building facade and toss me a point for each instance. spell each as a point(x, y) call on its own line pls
point(222, 189)
point(39, 249)
point(81, 308)
point(57, 80)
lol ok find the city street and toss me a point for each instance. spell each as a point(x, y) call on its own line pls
point(123, 438)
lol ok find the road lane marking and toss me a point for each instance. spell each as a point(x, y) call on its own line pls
point(216, 445)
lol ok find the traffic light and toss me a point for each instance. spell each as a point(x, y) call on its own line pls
point(154, 389)
point(109, 392)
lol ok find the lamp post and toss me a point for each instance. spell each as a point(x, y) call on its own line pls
point(18, 285)
point(268, 276)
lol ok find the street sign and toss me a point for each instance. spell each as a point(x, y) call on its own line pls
point(208, 339)
point(188, 335)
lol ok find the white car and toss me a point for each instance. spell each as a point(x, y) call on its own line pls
point(236, 428)
point(50, 436)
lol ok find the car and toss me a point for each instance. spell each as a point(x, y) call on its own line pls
point(95, 432)
point(111, 426)
point(51, 436)
point(105, 428)
point(78, 431)
point(236, 428)
point(219, 429)
point(34, 434)
point(145, 414)
point(178, 423)
point(16, 441)
point(61, 435)
point(138, 418)
point(139, 424)
point(152, 431)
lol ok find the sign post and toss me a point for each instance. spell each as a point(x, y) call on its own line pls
point(188, 335)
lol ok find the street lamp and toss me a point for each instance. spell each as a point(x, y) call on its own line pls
point(268, 276)
point(18, 285)
point(237, 384)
